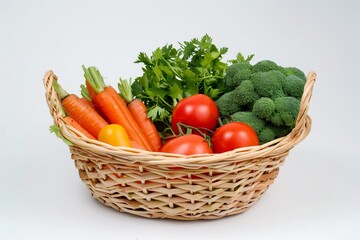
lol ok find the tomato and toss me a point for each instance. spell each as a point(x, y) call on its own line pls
point(233, 135)
point(198, 111)
point(187, 145)
point(114, 134)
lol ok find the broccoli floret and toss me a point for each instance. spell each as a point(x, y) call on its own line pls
point(293, 86)
point(276, 119)
point(238, 99)
point(227, 104)
point(287, 110)
point(280, 131)
point(250, 119)
point(264, 108)
point(294, 71)
point(236, 73)
point(265, 66)
point(266, 135)
point(245, 93)
point(269, 84)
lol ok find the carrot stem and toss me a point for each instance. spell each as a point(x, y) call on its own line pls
point(125, 90)
point(59, 90)
point(84, 92)
point(93, 76)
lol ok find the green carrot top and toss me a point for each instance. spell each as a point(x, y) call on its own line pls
point(94, 78)
point(84, 92)
point(59, 90)
point(125, 90)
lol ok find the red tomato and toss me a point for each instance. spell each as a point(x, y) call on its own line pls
point(187, 145)
point(198, 111)
point(234, 135)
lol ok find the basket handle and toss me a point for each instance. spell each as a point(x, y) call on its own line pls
point(52, 98)
point(304, 104)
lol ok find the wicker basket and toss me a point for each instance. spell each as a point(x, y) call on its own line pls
point(161, 185)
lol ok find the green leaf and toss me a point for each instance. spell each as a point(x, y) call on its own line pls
point(211, 92)
point(143, 81)
point(223, 50)
point(241, 58)
point(209, 57)
point(136, 88)
point(188, 48)
point(206, 42)
point(154, 92)
point(157, 71)
point(166, 70)
point(157, 54)
point(143, 58)
point(189, 75)
point(191, 89)
point(55, 129)
point(157, 113)
point(175, 91)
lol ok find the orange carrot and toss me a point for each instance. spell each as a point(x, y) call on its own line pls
point(114, 107)
point(82, 113)
point(77, 126)
point(87, 102)
point(88, 93)
point(139, 112)
point(136, 145)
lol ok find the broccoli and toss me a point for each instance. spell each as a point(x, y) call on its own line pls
point(266, 135)
point(269, 84)
point(293, 86)
point(238, 99)
point(236, 73)
point(294, 71)
point(280, 131)
point(250, 119)
point(264, 108)
point(245, 93)
point(287, 110)
point(226, 104)
point(266, 96)
point(265, 66)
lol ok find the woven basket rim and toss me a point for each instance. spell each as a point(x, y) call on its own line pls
point(275, 147)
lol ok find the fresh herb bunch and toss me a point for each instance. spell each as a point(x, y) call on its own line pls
point(170, 74)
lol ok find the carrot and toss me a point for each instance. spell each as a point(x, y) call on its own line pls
point(89, 94)
point(87, 102)
point(77, 126)
point(139, 112)
point(114, 107)
point(82, 113)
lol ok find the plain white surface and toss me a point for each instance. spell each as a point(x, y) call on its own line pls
point(316, 195)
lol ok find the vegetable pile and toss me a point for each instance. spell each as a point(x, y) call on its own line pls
point(188, 100)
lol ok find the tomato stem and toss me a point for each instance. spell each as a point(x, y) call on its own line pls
point(220, 122)
point(188, 127)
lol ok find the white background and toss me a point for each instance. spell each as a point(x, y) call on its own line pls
point(317, 193)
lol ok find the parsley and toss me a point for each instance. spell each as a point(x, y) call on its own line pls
point(170, 74)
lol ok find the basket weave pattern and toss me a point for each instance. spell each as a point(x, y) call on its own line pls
point(163, 185)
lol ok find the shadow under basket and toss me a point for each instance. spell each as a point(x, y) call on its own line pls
point(163, 185)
